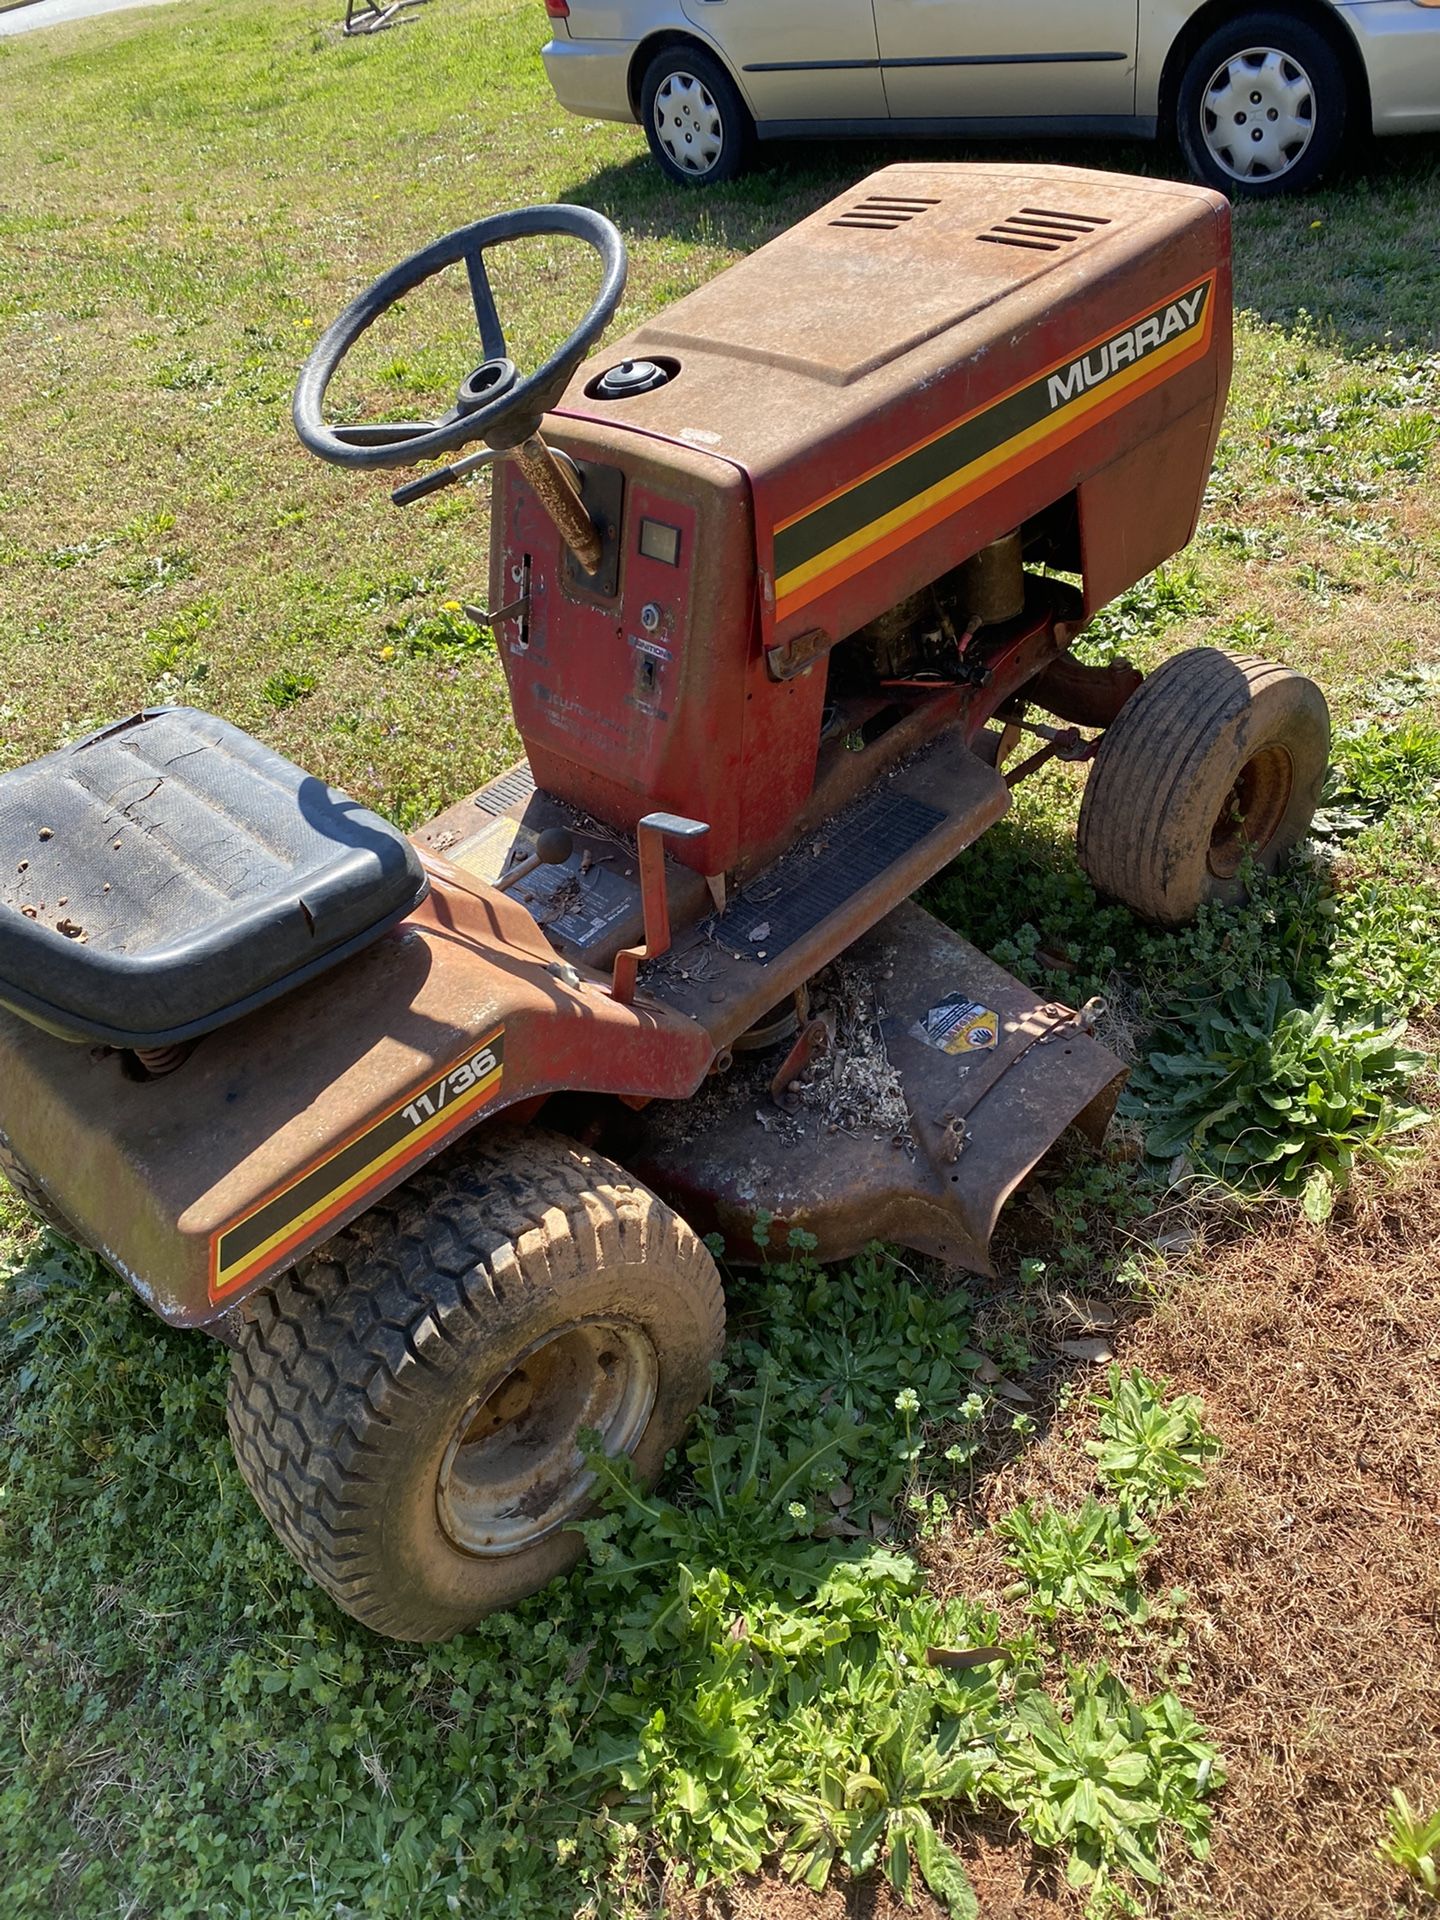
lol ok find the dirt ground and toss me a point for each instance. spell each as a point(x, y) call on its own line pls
point(1310, 1562)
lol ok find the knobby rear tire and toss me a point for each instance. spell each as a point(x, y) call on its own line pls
point(353, 1371)
point(33, 1194)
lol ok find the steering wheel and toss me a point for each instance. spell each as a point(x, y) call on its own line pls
point(496, 402)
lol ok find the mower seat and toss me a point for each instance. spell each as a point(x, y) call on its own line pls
point(168, 874)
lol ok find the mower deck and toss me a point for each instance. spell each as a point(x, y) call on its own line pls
point(927, 1085)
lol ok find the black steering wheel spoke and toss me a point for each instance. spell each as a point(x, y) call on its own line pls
point(503, 408)
point(492, 334)
point(384, 433)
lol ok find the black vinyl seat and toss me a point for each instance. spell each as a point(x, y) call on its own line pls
point(169, 873)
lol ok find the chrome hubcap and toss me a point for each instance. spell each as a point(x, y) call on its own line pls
point(688, 124)
point(1257, 114)
point(513, 1471)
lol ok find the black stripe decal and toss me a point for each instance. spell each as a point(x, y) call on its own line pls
point(812, 66)
point(915, 473)
point(1000, 59)
point(931, 60)
point(241, 1240)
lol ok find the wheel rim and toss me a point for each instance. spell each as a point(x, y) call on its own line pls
point(688, 123)
point(513, 1472)
point(1253, 810)
point(1257, 115)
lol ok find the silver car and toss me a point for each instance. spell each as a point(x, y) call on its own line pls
point(1260, 99)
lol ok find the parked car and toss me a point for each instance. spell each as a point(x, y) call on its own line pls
point(1260, 99)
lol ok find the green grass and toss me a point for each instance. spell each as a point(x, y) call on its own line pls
point(186, 1725)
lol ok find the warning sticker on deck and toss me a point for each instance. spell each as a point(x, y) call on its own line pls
point(958, 1025)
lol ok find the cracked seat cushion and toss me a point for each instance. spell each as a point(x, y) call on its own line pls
point(166, 875)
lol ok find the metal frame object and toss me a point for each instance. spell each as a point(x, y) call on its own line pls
point(373, 16)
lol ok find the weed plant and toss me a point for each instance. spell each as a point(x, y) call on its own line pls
point(739, 1672)
point(1413, 1844)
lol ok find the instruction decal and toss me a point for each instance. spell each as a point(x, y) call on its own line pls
point(958, 1025)
point(306, 1204)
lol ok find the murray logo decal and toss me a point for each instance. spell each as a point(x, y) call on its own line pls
point(841, 534)
point(1182, 315)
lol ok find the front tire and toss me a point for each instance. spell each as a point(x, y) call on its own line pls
point(695, 121)
point(405, 1407)
point(1262, 107)
point(1215, 758)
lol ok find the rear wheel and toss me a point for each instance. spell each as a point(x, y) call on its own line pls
point(13, 1169)
point(1262, 106)
point(1214, 759)
point(694, 118)
point(406, 1408)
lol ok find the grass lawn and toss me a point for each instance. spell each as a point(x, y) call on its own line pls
point(1214, 1584)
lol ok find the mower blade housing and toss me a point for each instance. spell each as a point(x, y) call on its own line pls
point(990, 1076)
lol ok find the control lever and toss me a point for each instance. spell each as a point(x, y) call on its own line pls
point(553, 485)
point(553, 848)
point(441, 477)
point(650, 837)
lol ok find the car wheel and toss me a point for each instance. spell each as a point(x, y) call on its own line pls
point(1262, 107)
point(694, 118)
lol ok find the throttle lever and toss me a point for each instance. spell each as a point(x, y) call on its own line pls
point(441, 477)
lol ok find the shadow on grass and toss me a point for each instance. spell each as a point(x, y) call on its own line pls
point(1361, 257)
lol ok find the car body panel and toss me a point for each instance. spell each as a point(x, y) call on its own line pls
point(847, 67)
point(1400, 46)
point(590, 77)
point(973, 58)
point(784, 55)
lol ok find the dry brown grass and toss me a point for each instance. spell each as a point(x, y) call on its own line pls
point(1311, 1559)
point(1308, 1642)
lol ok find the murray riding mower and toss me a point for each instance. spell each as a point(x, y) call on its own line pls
point(786, 586)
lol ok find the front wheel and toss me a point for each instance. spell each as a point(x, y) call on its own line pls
point(1217, 760)
point(694, 118)
point(407, 1407)
point(1262, 106)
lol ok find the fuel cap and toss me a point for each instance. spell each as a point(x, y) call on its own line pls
point(631, 377)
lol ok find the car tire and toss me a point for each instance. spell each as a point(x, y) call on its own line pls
point(1217, 759)
point(1262, 107)
point(407, 1406)
point(694, 119)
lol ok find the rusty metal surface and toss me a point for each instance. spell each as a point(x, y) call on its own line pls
point(727, 983)
point(590, 906)
point(150, 1171)
point(994, 582)
point(836, 351)
point(1090, 696)
point(553, 489)
point(978, 1120)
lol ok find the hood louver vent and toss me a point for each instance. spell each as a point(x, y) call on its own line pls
point(882, 211)
point(1042, 229)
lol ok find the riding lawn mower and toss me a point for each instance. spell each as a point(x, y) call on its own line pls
point(437, 1132)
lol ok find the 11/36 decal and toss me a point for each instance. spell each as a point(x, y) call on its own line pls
point(454, 1085)
point(304, 1206)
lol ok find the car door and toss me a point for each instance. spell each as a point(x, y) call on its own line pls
point(989, 59)
point(799, 59)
